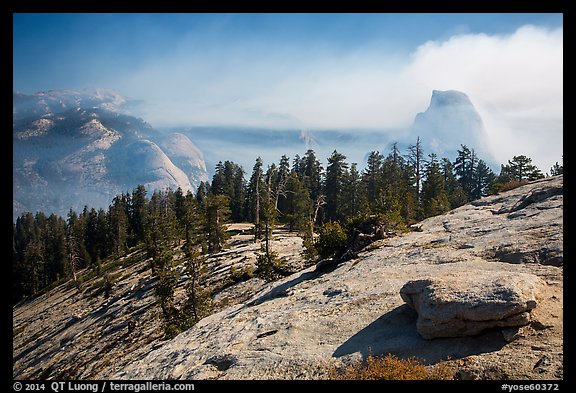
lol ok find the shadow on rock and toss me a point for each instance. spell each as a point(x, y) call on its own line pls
point(282, 290)
point(395, 333)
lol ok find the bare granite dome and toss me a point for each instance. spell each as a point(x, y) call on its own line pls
point(510, 243)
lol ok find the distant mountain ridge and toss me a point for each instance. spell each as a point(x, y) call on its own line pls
point(57, 101)
point(72, 149)
point(88, 144)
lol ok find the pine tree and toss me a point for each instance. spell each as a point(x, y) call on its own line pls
point(483, 180)
point(335, 172)
point(464, 167)
point(229, 180)
point(352, 192)
point(434, 197)
point(56, 249)
point(556, 169)
point(298, 205)
point(198, 303)
point(216, 215)
point(312, 174)
point(373, 177)
point(239, 187)
point(281, 182)
point(253, 198)
point(416, 160)
point(202, 192)
point(521, 168)
point(266, 259)
point(161, 231)
point(165, 288)
point(118, 225)
point(137, 215)
point(393, 188)
point(456, 195)
point(218, 186)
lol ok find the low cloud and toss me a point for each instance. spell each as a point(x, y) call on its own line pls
point(515, 81)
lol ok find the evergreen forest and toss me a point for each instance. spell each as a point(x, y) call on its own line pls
point(322, 203)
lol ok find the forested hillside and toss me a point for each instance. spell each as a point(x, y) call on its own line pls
point(396, 190)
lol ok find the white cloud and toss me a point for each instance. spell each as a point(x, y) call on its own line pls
point(515, 81)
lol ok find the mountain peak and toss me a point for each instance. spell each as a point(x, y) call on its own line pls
point(449, 98)
point(450, 120)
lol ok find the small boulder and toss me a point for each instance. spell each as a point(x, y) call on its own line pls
point(467, 303)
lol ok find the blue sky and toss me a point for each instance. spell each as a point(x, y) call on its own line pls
point(312, 71)
point(53, 51)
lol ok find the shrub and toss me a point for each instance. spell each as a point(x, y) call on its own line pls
point(269, 265)
point(390, 367)
point(510, 185)
point(331, 240)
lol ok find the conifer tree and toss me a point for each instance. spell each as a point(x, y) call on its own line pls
point(352, 192)
point(216, 216)
point(456, 195)
point(521, 168)
point(253, 198)
point(556, 169)
point(266, 259)
point(434, 197)
point(464, 167)
point(335, 173)
point(416, 160)
point(312, 174)
point(298, 205)
point(198, 303)
point(373, 177)
point(118, 225)
point(137, 212)
point(483, 180)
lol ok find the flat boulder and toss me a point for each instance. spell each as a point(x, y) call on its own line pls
point(469, 302)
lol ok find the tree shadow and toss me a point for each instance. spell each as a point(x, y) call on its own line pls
point(281, 290)
point(395, 333)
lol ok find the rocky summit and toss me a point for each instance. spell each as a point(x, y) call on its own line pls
point(480, 287)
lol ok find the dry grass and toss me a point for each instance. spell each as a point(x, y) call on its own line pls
point(390, 367)
point(511, 184)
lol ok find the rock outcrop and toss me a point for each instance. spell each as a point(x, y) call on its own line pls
point(455, 305)
point(294, 328)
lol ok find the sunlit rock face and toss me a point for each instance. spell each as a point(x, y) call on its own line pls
point(73, 149)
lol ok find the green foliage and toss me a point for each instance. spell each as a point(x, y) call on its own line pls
point(198, 301)
point(399, 191)
point(331, 241)
point(238, 275)
point(216, 215)
point(334, 184)
point(520, 168)
point(269, 266)
point(296, 207)
point(556, 169)
point(309, 251)
point(228, 180)
point(434, 197)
